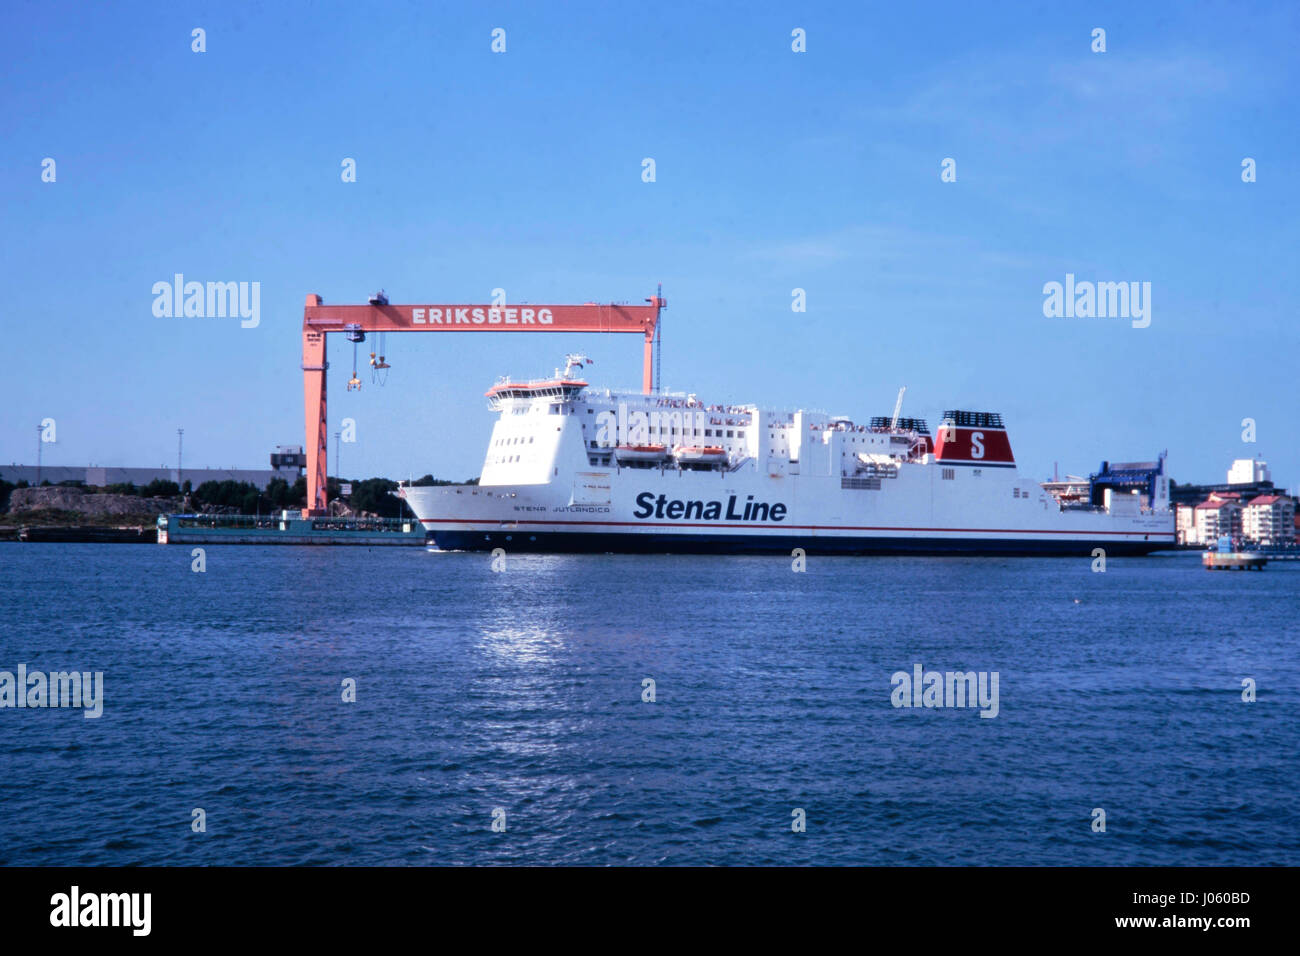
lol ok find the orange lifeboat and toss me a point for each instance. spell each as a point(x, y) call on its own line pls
point(700, 454)
point(641, 453)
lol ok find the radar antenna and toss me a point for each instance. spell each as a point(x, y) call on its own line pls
point(575, 360)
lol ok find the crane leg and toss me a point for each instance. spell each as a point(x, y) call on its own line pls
point(647, 372)
point(314, 367)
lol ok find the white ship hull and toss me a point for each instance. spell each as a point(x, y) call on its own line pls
point(819, 516)
point(792, 480)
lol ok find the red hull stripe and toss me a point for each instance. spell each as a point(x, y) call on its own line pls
point(779, 527)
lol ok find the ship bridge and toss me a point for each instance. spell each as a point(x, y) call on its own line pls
point(563, 386)
point(561, 389)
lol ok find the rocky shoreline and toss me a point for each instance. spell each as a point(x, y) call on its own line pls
point(68, 514)
point(36, 503)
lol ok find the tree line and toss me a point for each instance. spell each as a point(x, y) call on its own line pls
point(374, 495)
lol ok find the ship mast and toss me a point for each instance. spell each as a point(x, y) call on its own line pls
point(898, 408)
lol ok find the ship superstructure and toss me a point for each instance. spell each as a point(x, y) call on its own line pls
point(570, 467)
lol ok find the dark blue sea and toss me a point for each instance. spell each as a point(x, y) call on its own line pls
point(521, 690)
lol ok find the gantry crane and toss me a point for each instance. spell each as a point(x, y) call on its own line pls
point(319, 319)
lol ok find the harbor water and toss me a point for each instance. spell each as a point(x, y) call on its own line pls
point(520, 693)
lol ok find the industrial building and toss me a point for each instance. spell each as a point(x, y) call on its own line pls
point(287, 462)
point(1247, 478)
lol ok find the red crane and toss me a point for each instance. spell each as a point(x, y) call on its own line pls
point(319, 319)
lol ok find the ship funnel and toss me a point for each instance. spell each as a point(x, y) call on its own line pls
point(973, 438)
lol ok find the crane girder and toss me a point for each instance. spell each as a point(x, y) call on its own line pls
point(319, 319)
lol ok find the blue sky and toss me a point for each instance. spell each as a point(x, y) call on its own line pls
point(775, 170)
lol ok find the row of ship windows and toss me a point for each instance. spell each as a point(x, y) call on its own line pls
point(513, 441)
point(869, 441)
point(708, 432)
point(550, 410)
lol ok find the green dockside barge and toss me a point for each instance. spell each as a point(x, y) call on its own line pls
point(287, 528)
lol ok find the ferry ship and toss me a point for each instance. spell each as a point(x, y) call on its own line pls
point(574, 468)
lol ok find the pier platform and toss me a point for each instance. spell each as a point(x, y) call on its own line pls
point(1233, 561)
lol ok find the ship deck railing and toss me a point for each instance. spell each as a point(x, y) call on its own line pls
point(362, 524)
point(221, 521)
point(275, 522)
